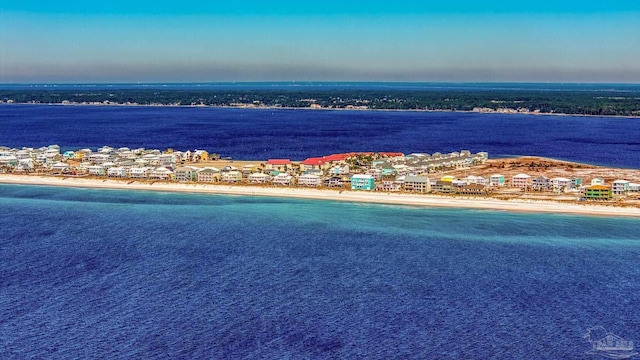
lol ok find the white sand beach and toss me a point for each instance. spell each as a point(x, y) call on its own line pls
point(334, 195)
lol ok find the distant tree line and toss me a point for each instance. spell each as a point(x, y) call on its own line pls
point(565, 102)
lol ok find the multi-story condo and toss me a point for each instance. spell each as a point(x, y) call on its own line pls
point(309, 180)
point(620, 187)
point(540, 183)
point(496, 180)
point(521, 181)
point(208, 175)
point(185, 174)
point(362, 182)
point(419, 184)
point(597, 192)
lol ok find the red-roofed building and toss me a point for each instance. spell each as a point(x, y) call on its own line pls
point(313, 163)
point(336, 157)
point(278, 164)
point(391, 154)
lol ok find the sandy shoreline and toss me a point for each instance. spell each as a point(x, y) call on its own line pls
point(332, 195)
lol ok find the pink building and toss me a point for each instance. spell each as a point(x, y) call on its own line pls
point(521, 181)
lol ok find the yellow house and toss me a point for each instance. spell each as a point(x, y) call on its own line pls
point(203, 155)
point(78, 155)
point(448, 178)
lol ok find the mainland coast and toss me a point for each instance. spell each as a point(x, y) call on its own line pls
point(500, 111)
point(421, 200)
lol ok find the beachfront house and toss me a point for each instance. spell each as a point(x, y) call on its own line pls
point(597, 181)
point(96, 170)
point(560, 184)
point(522, 181)
point(231, 176)
point(258, 178)
point(362, 182)
point(139, 172)
point(417, 184)
point(634, 187)
point(496, 180)
point(208, 175)
point(334, 182)
point(117, 172)
point(185, 174)
point(620, 187)
point(25, 165)
point(598, 192)
point(443, 187)
point(161, 173)
point(472, 189)
point(282, 179)
point(388, 185)
point(540, 183)
point(310, 180)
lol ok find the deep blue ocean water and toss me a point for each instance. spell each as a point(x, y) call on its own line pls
point(116, 274)
point(252, 134)
point(121, 274)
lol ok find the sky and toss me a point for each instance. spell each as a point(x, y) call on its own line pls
point(424, 41)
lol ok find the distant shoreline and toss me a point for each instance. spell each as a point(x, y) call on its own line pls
point(324, 109)
point(429, 201)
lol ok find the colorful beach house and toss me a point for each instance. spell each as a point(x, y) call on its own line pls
point(598, 192)
point(362, 182)
point(521, 181)
point(496, 180)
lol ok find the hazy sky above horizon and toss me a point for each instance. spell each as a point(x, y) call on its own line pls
point(196, 41)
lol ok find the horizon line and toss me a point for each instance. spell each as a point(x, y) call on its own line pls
point(313, 82)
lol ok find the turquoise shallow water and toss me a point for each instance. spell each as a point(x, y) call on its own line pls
point(93, 273)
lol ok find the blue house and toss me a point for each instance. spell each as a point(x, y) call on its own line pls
point(362, 182)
